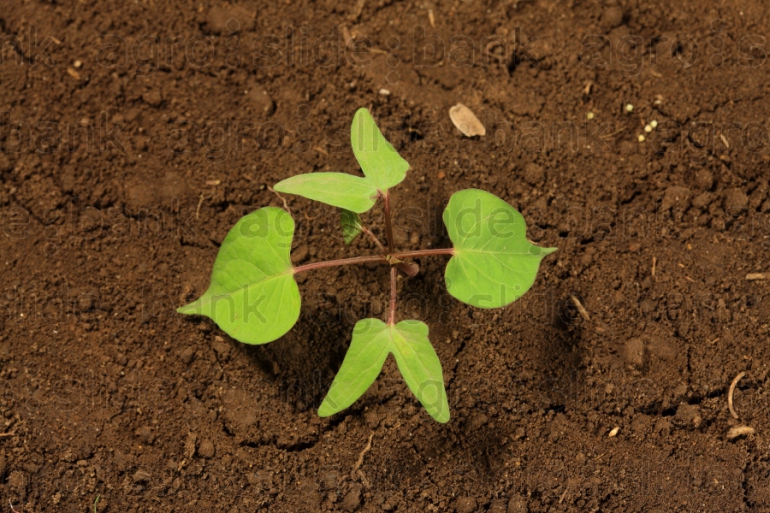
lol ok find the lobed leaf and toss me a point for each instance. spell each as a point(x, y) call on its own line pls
point(493, 264)
point(379, 161)
point(417, 361)
point(253, 296)
point(351, 225)
point(341, 190)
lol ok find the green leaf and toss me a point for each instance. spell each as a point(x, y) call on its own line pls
point(417, 361)
point(493, 264)
point(351, 225)
point(380, 162)
point(337, 189)
point(421, 368)
point(253, 296)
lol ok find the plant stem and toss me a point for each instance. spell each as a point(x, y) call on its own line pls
point(343, 261)
point(423, 252)
point(388, 225)
point(375, 239)
point(393, 295)
point(374, 258)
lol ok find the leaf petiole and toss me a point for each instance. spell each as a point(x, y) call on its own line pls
point(384, 259)
point(393, 296)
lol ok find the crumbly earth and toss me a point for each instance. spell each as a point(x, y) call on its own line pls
point(134, 134)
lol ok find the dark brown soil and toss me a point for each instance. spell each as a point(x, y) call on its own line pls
point(134, 134)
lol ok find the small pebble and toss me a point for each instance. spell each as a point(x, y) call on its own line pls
point(648, 128)
point(641, 138)
point(629, 107)
point(206, 449)
point(614, 432)
point(385, 92)
point(654, 124)
point(590, 115)
point(466, 121)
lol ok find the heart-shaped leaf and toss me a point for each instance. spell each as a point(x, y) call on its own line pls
point(253, 296)
point(341, 190)
point(383, 168)
point(493, 264)
point(351, 225)
point(379, 161)
point(417, 361)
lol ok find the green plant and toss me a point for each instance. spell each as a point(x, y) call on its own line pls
point(254, 298)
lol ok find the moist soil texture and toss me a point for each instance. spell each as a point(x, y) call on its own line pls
point(135, 134)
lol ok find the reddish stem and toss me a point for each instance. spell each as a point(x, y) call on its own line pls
point(393, 296)
point(375, 258)
point(343, 261)
point(423, 252)
point(375, 239)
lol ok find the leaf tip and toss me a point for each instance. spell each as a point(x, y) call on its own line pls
point(326, 409)
point(442, 418)
point(547, 251)
point(187, 309)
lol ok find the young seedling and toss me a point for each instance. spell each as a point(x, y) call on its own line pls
point(254, 298)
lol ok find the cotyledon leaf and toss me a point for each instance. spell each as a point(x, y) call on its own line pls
point(417, 361)
point(351, 225)
point(253, 296)
point(379, 161)
point(493, 263)
point(354, 193)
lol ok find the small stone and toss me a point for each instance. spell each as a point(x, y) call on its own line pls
point(648, 128)
point(629, 108)
point(641, 138)
point(385, 92)
point(300, 254)
point(590, 116)
point(206, 449)
point(153, 98)
point(704, 179)
point(612, 17)
point(352, 499)
point(654, 124)
point(676, 197)
point(614, 432)
point(465, 505)
point(187, 355)
point(221, 347)
point(736, 201)
point(534, 174)
point(466, 121)
point(141, 476)
point(701, 201)
point(518, 505)
point(633, 351)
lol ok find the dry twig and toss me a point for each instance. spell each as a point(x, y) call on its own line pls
point(730, 394)
point(361, 456)
point(580, 308)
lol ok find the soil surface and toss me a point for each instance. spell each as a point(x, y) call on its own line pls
point(135, 134)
